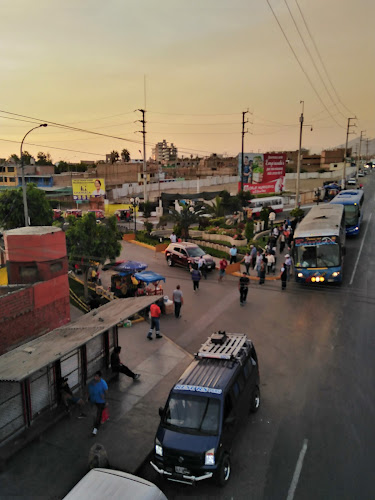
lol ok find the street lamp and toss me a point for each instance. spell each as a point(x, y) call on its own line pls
point(23, 177)
point(135, 203)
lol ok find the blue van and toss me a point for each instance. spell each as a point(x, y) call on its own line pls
point(205, 409)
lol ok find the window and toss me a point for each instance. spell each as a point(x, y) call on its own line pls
point(182, 252)
point(1, 179)
point(228, 407)
point(248, 369)
point(10, 169)
point(11, 179)
point(28, 272)
point(56, 267)
point(235, 390)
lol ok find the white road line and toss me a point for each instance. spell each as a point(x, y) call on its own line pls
point(360, 250)
point(297, 471)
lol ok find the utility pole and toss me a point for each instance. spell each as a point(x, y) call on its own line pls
point(367, 158)
point(143, 121)
point(343, 181)
point(296, 205)
point(243, 138)
point(359, 154)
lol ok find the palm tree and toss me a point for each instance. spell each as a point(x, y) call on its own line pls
point(125, 155)
point(186, 217)
point(114, 156)
point(217, 208)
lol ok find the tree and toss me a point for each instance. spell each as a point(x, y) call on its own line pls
point(125, 155)
point(12, 210)
point(114, 156)
point(217, 208)
point(26, 158)
point(13, 158)
point(44, 158)
point(89, 242)
point(188, 216)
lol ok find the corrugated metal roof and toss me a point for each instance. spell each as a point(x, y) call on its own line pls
point(30, 357)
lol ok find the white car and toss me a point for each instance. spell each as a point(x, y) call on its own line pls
point(352, 182)
point(361, 174)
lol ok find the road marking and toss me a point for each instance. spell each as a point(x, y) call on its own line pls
point(297, 471)
point(360, 250)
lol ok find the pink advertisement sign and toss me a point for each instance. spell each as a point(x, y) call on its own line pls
point(263, 173)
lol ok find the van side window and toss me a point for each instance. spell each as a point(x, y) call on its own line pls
point(228, 407)
point(248, 368)
point(235, 390)
point(241, 382)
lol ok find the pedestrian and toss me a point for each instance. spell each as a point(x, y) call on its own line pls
point(178, 300)
point(270, 263)
point(118, 367)
point(262, 271)
point(253, 255)
point(283, 277)
point(222, 266)
point(173, 238)
point(258, 262)
point(202, 266)
point(68, 398)
point(288, 265)
point(243, 287)
point(233, 255)
point(97, 392)
point(155, 313)
point(282, 241)
point(196, 277)
point(275, 232)
point(247, 261)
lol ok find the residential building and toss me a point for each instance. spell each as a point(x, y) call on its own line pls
point(163, 153)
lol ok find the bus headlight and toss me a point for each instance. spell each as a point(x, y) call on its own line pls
point(158, 448)
point(313, 279)
point(209, 458)
point(300, 275)
point(335, 274)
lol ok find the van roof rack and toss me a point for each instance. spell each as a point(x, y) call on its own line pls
point(230, 347)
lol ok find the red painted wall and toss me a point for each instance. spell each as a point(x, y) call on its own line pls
point(21, 246)
point(30, 312)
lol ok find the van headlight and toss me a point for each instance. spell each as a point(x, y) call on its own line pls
point(209, 458)
point(300, 275)
point(335, 274)
point(158, 448)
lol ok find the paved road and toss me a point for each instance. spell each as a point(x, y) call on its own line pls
point(316, 350)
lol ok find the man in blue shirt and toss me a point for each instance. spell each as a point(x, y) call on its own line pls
point(97, 392)
point(233, 254)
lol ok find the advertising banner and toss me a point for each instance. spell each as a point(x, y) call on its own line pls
point(84, 189)
point(262, 173)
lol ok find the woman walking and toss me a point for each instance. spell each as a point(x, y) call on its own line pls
point(247, 261)
point(196, 277)
point(262, 271)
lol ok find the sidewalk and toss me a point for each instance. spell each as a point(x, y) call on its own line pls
point(51, 466)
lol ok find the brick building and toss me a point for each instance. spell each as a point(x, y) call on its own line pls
point(36, 299)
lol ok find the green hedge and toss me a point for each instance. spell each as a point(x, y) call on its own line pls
point(150, 240)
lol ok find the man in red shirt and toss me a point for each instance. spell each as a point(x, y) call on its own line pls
point(155, 321)
point(223, 265)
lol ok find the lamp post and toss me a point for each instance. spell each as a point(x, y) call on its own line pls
point(135, 203)
point(23, 176)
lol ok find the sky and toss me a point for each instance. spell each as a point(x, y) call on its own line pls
point(194, 66)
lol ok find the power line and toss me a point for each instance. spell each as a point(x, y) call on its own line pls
point(300, 65)
point(51, 147)
point(321, 60)
point(194, 114)
point(311, 57)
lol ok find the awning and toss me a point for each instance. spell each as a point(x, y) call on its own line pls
point(149, 276)
point(28, 358)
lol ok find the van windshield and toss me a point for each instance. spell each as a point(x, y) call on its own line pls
point(194, 414)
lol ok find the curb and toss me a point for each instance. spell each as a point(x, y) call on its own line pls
point(140, 244)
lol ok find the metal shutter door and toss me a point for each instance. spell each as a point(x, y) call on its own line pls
point(70, 367)
point(94, 355)
point(11, 410)
point(39, 392)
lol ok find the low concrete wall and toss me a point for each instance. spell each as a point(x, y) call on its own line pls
point(224, 237)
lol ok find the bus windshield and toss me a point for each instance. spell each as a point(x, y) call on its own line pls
point(194, 414)
point(351, 215)
point(318, 256)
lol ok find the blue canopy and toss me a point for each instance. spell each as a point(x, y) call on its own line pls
point(130, 266)
point(149, 276)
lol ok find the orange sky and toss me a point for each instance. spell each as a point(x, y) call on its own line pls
point(83, 64)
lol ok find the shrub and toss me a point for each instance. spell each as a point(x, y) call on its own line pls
point(297, 213)
point(218, 221)
point(148, 227)
point(249, 230)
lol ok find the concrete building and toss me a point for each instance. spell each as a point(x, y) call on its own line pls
point(11, 175)
point(163, 153)
point(333, 156)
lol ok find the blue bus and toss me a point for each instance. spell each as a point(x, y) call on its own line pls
point(352, 199)
point(319, 245)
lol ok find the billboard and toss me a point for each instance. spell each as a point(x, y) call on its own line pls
point(262, 172)
point(84, 189)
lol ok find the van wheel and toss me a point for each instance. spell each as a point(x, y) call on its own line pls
point(169, 261)
point(224, 471)
point(255, 400)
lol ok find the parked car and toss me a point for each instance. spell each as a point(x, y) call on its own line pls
point(185, 254)
point(361, 173)
point(205, 409)
point(352, 182)
point(99, 484)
